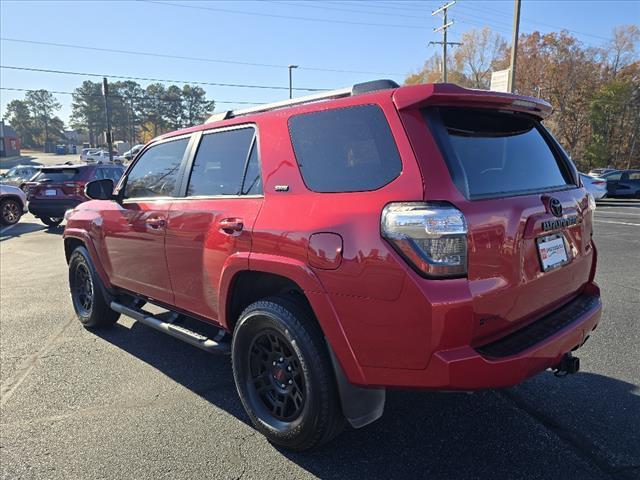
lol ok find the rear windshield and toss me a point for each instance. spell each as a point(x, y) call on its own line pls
point(58, 175)
point(499, 153)
point(345, 149)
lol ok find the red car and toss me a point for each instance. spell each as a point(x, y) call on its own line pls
point(57, 189)
point(368, 238)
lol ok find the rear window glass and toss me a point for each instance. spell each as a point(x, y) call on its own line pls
point(500, 153)
point(345, 150)
point(58, 175)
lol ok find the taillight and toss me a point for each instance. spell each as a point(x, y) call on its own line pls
point(599, 182)
point(77, 187)
point(432, 237)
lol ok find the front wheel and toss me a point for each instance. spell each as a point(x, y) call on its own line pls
point(51, 221)
point(10, 211)
point(89, 302)
point(284, 376)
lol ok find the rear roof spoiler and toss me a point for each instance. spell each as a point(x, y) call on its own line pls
point(448, 94)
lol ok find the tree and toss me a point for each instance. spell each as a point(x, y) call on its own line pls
point(621, 50)
point(196, 107)
point(155, 108)
point(19, 117)
point(87, 110)
point(478, 54)
point(42, 104)
point(470, 65)
point(173, 107)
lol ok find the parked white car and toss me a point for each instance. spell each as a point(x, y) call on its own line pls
point(13, 203)
point(86, 152)
point(98, 156)
point(596, 186)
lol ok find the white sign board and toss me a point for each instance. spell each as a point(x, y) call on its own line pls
point(500, 81)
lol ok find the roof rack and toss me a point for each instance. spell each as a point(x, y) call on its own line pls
point(357, 89)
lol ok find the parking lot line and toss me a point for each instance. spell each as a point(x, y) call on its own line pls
point(618, 213)
point(618, 223)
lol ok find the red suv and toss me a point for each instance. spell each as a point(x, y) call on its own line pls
point(57, 189)
point(367, 238)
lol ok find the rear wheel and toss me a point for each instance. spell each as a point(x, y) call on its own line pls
point(10, 211)
point(284, 376)
point(51, 221)
point(89, 302)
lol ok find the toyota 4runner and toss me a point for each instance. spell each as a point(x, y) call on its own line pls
point(341, 244)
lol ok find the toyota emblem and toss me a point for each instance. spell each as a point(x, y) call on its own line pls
point(555, 207)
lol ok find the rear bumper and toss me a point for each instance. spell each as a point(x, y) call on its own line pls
point(51, 208)
point(508, 361)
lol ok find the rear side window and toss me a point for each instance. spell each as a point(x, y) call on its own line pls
point(498, 154)
point(58, 175)
point(157, 171)
point(635, 176)
point(345, 150)
point(219, 166)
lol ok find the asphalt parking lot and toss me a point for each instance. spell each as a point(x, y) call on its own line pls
point(133, 403)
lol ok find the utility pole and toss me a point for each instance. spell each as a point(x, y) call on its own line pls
point(443, 29)
point(107, 113)
point(514, 46)
point(291, 67)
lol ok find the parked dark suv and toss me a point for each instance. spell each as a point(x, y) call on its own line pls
point(337, 245)
point(59, 188)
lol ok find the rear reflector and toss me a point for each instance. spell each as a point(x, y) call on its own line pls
point(432, 237)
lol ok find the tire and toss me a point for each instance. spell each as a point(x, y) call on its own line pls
point(277, 340)
point(89, 302)
point(10, 211)
point(51, 221)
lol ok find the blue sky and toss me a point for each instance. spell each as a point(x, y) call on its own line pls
point(329, 40)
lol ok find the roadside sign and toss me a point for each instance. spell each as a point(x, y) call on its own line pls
point(500, 81)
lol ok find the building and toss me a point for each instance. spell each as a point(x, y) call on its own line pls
point(9, 141)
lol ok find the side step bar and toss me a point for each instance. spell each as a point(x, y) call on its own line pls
point(176, 331)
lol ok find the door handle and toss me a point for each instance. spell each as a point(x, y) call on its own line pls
point(231, 225)
point(156, 222)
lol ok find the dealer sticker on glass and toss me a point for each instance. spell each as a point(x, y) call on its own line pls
point(552, 252)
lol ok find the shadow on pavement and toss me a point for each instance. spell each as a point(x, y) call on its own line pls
point(490, 434)
point(23, 160)
point(19, 229)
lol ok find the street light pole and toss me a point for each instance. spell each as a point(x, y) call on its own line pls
point(291, 67)
point(107, 113)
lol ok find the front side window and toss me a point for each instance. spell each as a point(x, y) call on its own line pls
point(500, 153)
point(219, 165)
point(345, 149)
point(156, 173)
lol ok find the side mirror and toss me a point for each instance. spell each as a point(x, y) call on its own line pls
point(99, 189)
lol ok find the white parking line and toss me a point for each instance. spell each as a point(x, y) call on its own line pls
point(603, 211)
point(6, 229)
point(618, 223)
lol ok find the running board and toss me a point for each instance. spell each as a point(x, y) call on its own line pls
point(181, 333)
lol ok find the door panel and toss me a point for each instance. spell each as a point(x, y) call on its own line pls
point(134, 237)
point(201, 235)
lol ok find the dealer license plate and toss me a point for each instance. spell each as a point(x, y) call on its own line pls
point(553, 252)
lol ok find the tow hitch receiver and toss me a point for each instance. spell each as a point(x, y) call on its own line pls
point(568, 364)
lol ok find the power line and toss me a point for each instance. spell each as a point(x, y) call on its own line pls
point(287, 17)
point(182, 57)
point(237, 85)
point(165, 100)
